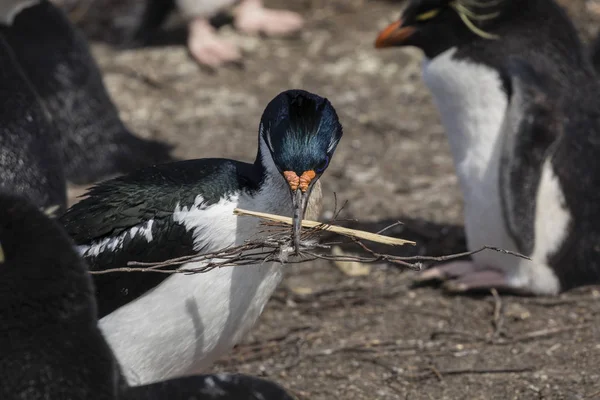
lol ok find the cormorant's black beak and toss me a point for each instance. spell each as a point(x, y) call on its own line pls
point(299, 201)
point(300, 189)
point(394, 35)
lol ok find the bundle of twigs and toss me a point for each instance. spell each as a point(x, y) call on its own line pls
point(274, 244)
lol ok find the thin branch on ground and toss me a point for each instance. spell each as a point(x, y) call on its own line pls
point(440, 373)
point(593, 395)
point(498, 321)
point(544, 333)
point(539, 334)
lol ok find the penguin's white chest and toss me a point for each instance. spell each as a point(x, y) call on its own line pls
point(472, 106)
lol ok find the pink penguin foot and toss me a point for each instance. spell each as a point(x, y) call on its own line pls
point(207, 48)
point(466, 276)
point(253, 18)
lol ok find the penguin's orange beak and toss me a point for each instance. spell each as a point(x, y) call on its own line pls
point(394, 35)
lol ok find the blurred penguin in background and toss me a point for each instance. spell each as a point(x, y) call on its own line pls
point(57, 62)
point(517, 95)
point(205, 46)
point(30, 157)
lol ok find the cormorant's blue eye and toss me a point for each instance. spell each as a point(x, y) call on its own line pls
point(323, 165)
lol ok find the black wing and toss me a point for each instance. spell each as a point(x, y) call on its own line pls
point(576, 163)
point(114, 207)
point(532, 124)
point(560, 123)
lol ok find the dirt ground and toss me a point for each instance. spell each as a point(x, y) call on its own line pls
point(325, 334)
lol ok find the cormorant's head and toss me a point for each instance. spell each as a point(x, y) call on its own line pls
point(301, 131)
point(435, 26)
point(41, 274)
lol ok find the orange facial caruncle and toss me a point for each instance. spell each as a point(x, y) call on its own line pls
point(292, 178)
point(306, 179)
point(302, 182)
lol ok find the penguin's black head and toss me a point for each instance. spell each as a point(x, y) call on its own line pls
point(41, 275)
point(301, 131)
point(434, 26)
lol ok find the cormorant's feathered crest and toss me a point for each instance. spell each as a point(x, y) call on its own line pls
point(301, 129)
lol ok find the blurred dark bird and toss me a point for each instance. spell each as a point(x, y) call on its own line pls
point(163, 325)
point(57, 61)
point(50, 343)
point(30, 156)
point(250, 16)
point(518, 98)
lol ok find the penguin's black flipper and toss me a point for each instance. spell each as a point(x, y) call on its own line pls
point(210, 387)
point(56, 58)
point(155, 14)
point(531, 126)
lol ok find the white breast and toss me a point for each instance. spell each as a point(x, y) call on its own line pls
point(472, 107)
point(187, 322)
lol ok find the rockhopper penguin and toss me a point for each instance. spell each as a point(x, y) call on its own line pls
point(163, 325)
point(50, 343)
point(57, 60)
point(519, 101)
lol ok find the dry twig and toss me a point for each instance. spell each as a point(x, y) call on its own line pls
point(340, 230)
point(276, 246)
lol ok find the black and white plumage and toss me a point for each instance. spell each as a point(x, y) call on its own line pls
point(30, 157)
point(50, 343)
point(518, 98)
point(168, 325)
point(56, 58)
